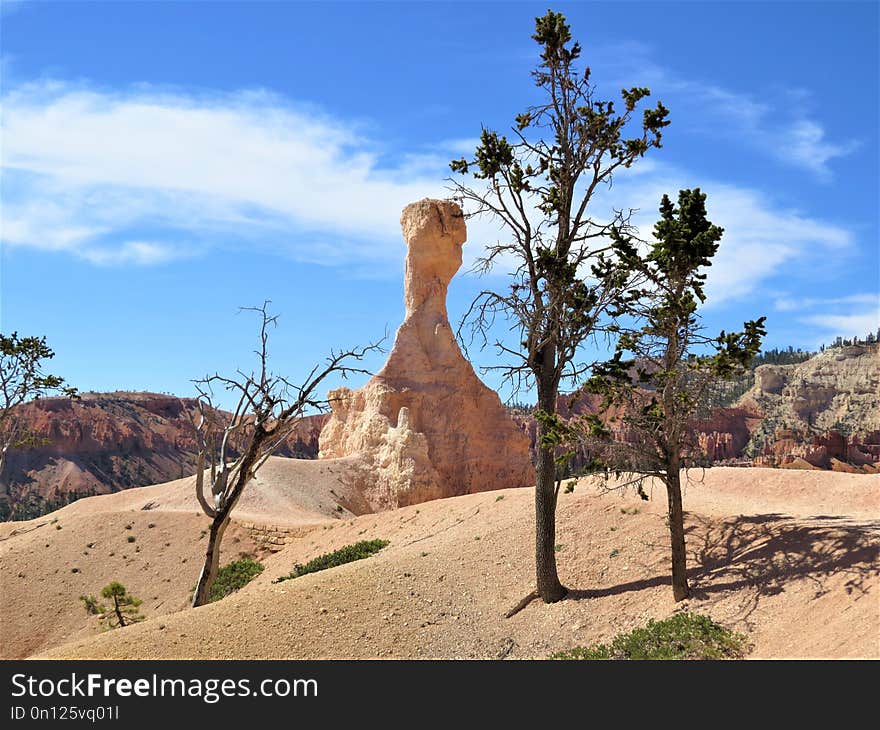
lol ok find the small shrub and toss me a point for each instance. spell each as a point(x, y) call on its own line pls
point(91, 604)
point(131, 538)
point(614, 553)
point(121, 612)
point(683, 636)
point(499, 497)
point(347, 554)
point(233, 576)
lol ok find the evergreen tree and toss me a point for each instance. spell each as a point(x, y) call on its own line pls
point(669, 363)
point(122, 611)
point(539, 188)
point(22, 378)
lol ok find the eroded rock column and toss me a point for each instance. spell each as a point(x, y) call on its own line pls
point(425, 426)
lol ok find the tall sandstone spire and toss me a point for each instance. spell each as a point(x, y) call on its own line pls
point(425, 426)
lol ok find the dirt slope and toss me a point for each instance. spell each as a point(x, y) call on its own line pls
point(788, 557)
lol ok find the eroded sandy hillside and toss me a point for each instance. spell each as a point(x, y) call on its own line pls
point(788, 557)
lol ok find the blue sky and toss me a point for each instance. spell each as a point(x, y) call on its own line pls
point(165, 163)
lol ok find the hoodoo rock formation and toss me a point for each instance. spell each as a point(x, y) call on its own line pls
point(425, 426)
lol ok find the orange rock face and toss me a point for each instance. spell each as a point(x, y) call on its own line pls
point(105, 442)
point(425, 426)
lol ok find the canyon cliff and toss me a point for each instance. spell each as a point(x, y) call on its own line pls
point(104, 442)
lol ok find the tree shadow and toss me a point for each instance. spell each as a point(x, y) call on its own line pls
point(764, 553)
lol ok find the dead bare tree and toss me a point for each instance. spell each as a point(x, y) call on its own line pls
point(233, 446)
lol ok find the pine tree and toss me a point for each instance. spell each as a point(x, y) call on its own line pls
point(122, 611)
point(670, 365)
point(539, 187)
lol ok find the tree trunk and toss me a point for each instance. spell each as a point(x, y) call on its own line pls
point(119, 615)
point(549, 587)
point(680, 588)
point(212, 558)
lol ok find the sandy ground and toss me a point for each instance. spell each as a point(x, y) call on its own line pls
point(787, 557)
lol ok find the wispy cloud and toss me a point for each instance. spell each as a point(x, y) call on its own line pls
point(761, 239)
point(856, 324)
point(140, 253)
point(804, 144)
point(799, 304)
point(853, 315)
point(778, 124)
point(82, 167)
point(145, 177)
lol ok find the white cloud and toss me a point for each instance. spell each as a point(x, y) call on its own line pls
point(853, 315)
point(783, 130)
point(795, 304)
point(141, 253)
point(760, 239)
point(856, 324)
point(80, 167)
point(144, 177)
point(805, 144)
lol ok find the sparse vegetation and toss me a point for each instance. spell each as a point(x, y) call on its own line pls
point(683, 636)
point(234, 576)
point(123, 610)
point(347, 554)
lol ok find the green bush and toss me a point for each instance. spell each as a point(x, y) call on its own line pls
point(348, 554)
point(683, 636)
point(123, 611)
point(233, 576)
